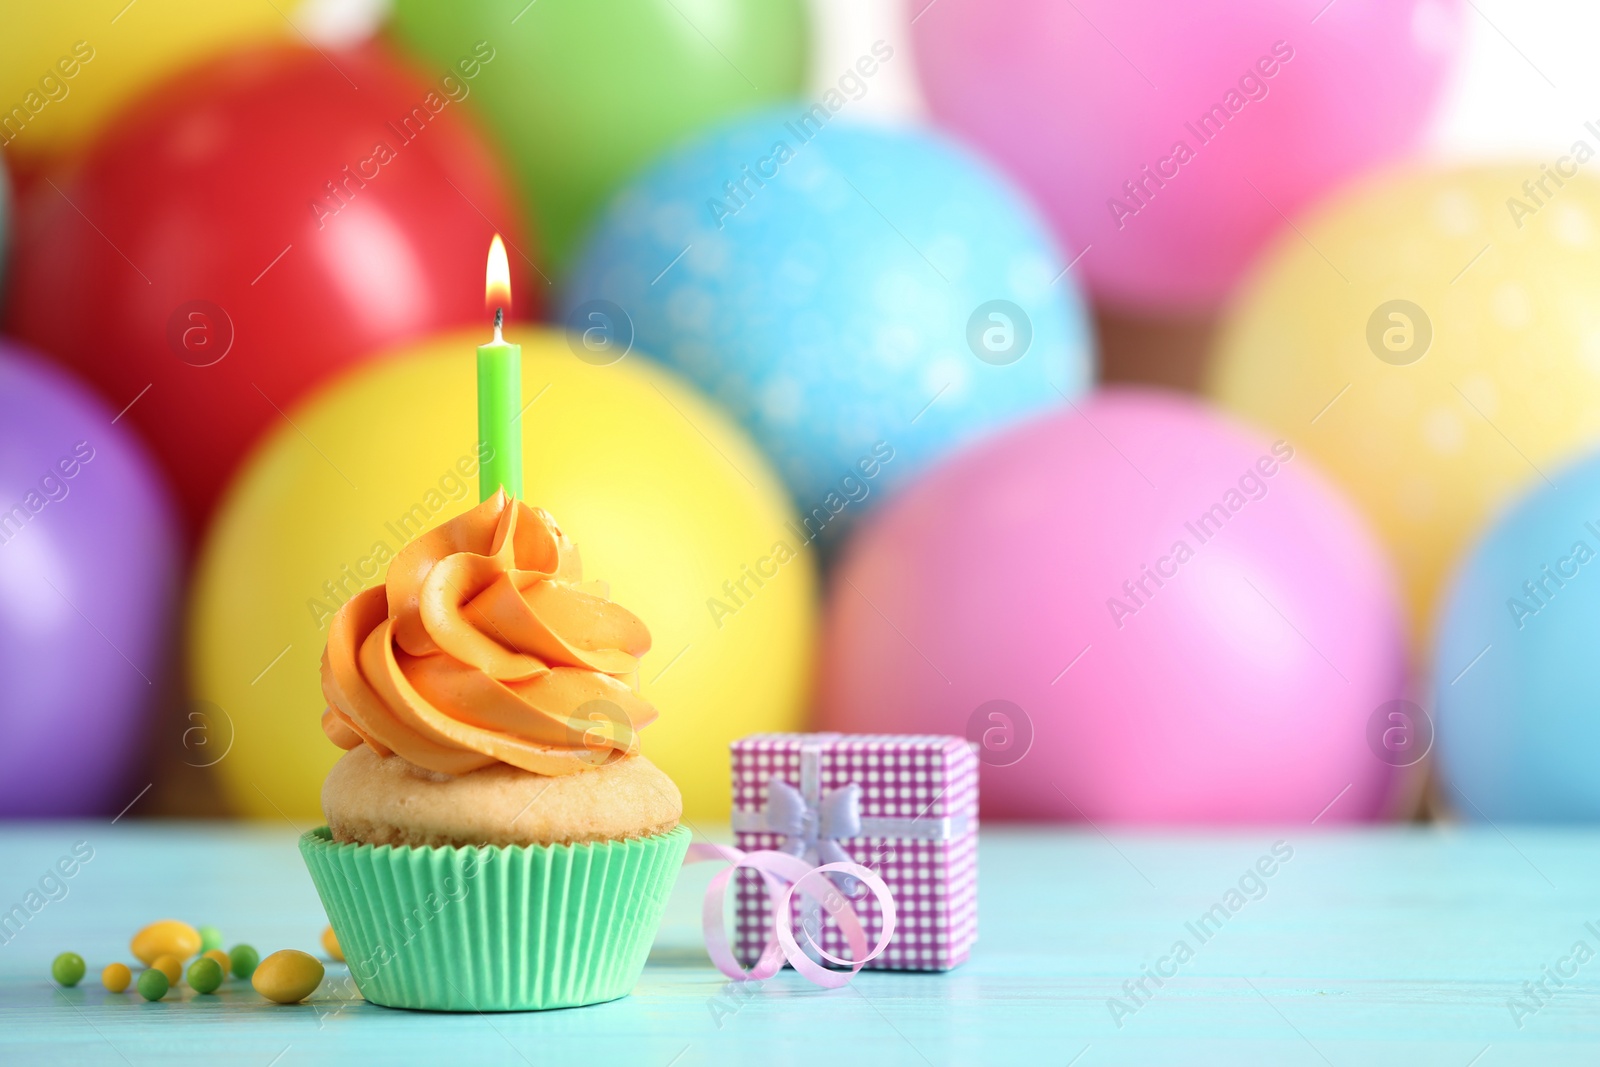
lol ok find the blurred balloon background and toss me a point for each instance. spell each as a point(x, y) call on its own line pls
point(5, 223)
point(1188, 624)
point(371, 199)
point(1433, 350)
point(89, 574)
point(590, 90)
point(863, 300)
point(71, 67)
point(1167, 161)
point(879, 253)
point(1516, 672)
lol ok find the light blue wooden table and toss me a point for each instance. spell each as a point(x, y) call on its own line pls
point(1391, 946)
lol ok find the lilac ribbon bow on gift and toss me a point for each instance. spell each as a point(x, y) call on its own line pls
point(813, 832)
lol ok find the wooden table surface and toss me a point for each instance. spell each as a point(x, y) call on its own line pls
point(1398, 945)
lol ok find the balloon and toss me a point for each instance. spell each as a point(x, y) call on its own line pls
point(1141, 613)
point(251, 228)
point(88, 584)
point(66, 69)
point(1515, 671)
point(589, 92)
point(1169, 140)
point(874, 301)
point(1431, 351)
point(5, 226)
point(665, 499)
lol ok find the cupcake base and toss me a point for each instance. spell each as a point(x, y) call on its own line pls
point(508, 928)
point(386, 800)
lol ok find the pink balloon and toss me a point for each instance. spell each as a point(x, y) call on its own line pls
point(1233, 680)
point(1079, 98)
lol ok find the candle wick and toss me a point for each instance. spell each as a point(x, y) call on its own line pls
point(499, 318)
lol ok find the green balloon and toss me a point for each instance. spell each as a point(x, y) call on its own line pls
point(581, 94)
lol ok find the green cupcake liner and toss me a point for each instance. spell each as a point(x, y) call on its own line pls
point(519, 928)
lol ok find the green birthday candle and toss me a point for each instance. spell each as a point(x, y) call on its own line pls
point(499, 389)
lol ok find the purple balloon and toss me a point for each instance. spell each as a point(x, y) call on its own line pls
point(88, 585)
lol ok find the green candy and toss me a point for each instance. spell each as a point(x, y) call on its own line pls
point(153, 985)
point(210, 938)
point(205, 975)
point(68, 969)
point(244, 960)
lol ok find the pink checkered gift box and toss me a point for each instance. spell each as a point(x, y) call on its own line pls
point(903, 805)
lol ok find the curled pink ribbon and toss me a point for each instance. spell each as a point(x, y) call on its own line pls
point(786, 875)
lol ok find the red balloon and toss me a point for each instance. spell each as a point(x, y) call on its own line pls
point(251, 228)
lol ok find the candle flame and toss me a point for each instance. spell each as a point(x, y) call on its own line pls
point(497, 278)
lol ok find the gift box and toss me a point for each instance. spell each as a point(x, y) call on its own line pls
point(904, 806)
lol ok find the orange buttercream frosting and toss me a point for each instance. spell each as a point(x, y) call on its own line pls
point(484, 646)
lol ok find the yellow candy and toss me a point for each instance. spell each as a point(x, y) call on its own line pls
point(169, 965)
point(287, 976)
point(169, 937)
point(116, 977)
point(223, 960)
point(330, 944)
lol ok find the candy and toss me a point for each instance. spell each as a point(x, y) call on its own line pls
point(205, 975)
point(169, 937)
point(330, 944)
point(67, 969)
point(210, 938)
point(116, 977)
point(287, 976)
point(222, 958)
point(169, 965)
point(244, 960)
point(153, 985)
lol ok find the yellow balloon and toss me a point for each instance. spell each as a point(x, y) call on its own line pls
point(665, 498)
point(65, 67)
point(1432, 340)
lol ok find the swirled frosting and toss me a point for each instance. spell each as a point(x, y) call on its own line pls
point(483, 645)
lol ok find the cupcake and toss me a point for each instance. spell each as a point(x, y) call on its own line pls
point(495, 840)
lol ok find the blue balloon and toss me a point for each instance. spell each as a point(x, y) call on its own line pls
point(863, 299)
point(1517, 668)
